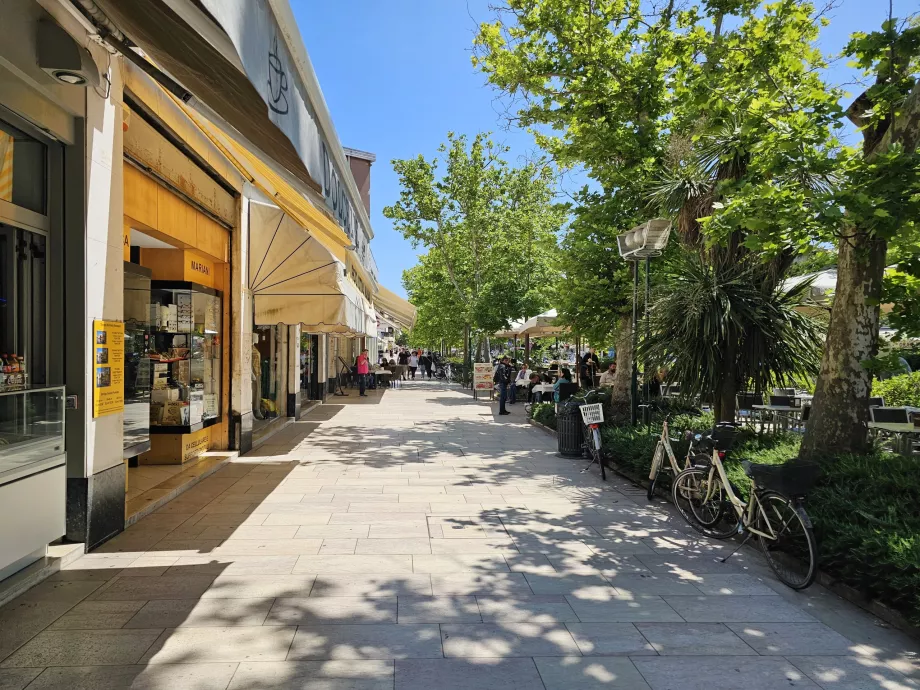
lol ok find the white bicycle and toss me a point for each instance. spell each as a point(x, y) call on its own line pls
point(592, 415)
point(664, 449)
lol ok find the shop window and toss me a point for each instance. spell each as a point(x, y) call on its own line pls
point(23, 307)
point(309, 367)
point(23, 161)
point(268, 366)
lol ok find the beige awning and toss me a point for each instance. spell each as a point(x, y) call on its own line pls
point(542, 325)
point(295, 279)
point(395, 308)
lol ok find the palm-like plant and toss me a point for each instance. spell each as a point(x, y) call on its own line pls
point(718, 326)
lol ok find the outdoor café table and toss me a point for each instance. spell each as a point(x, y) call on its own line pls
point(904, 435)
point(784, 412)
point(383, 376)
point(545, 390)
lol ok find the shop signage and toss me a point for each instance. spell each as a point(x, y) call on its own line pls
point(199, 267)
point(482, 376)
point(195, 444)
point(108, 347)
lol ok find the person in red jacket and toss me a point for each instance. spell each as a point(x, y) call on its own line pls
point(362, 367)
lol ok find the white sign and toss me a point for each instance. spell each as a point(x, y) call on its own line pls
point(482, 376)
point(254, 32)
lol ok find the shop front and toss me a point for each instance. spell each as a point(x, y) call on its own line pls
point(178, 328)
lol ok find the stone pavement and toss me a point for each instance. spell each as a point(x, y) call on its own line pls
point(417, 541)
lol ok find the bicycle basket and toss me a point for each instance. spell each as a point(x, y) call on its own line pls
point(592, 414)
point(793, 478)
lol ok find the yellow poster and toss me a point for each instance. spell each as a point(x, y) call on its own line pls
point(108, 367)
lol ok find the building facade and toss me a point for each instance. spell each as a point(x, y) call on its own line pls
point(185, 262)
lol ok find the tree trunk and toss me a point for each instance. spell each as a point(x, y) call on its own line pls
point(840, 410)
point(623, 378)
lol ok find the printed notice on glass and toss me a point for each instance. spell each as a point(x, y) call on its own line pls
point(482, 376)
point(108, 367)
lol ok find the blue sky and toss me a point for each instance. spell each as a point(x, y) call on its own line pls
point(397, 77)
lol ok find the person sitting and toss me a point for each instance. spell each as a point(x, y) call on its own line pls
point(566, 377)
point(608, 377)
point(534, 381)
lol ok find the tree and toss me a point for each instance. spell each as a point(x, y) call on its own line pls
point(593, 297)
point(679, 108)
point(488, 230)
point(718, 319)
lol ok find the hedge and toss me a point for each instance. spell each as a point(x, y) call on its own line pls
point(899, 391)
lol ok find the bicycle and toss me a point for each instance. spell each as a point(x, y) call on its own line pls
point(592, 414)
point(664, 448)
point(774, 512)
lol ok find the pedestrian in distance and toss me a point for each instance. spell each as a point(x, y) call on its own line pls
point(565, 377)
point(502, 378)
point(362, 366)
point(590, 363)
point(609, 376)
point(413, 364)
point(519, 380)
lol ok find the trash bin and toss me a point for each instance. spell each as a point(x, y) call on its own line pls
point(569, 428)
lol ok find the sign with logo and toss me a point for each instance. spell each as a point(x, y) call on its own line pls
point(259, 42)
point(482, 376)
point(108, 347)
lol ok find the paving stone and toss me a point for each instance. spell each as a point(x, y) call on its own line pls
point(624, 609)
point(609, 639)
point(156, 677)
point(467, 674)
point(259, 586)
point(198, 613)
point(851, 673)
point(326, 610)
point(707, 672)
point(314, 675)
point(730, 584)
point(17, 678)
point(357, 564)
point(793, 638)
point(652, 583)
point(407, 545)
point(583, 586)
point(740, 609)
point(101, 615)
point(456, 563)
point(509, 639)
point(371, 586)
point(366, 642)
point(693, 639)
point(596, 673)
point(439, 609)
point(243, 643)
point(541, 609)
point(481, 583)
point(147, 588)
point(83, 647)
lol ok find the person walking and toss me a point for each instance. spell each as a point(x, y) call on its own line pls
point(502, 377)
point(362, 368)
point(590, 363)
point(427, 362)
point(413, 364)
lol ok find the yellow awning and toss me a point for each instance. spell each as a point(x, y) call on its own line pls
point(273, 185)
point(395, 307)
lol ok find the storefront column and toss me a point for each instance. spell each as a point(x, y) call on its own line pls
point(94, 255)
point(294, 373)
point(322, 367)
point(241, 340)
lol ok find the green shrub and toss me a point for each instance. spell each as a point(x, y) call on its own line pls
point(544, 413)
point(899, 391)
point(864, 508)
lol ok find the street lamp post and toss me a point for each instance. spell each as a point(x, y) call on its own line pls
point(642, 242)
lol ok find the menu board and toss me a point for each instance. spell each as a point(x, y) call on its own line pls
point(482, 376)
point(108, 348)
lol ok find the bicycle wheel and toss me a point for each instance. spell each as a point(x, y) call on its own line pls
point(793, 554)
point(656, 467)
point(713, 516)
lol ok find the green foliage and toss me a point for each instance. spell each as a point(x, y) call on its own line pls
point(899, 391)
point(814, 260)
point(544, 413)
point(708, 311)
point(489, 234)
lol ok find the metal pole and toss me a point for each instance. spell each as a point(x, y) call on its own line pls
point(647, 414)
point(634, 386)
